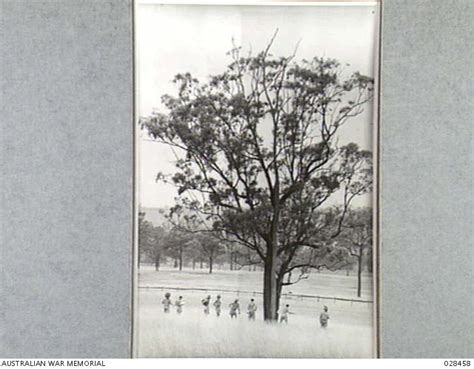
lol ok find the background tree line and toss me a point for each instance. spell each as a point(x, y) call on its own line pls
point(178, 248)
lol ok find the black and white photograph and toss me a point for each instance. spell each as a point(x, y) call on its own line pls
point(255, 179)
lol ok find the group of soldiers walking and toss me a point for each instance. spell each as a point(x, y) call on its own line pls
point(234, 308)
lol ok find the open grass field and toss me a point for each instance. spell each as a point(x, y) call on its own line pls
point(192, 334)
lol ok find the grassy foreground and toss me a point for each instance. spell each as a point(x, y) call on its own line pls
point(193, 334)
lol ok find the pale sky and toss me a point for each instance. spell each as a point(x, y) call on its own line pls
point(175, 39)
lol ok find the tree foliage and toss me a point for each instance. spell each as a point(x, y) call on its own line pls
point(258, 156)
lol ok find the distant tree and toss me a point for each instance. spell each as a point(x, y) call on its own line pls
point(176, 243)
point(230, 253)
point(245, 257)
point(150, 241)
point(144, 236)
point(155, 250)
point(211, 248)
point(255, 143)
point(357, 238)
point(194, 253)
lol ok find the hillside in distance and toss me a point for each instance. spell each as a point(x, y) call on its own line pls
point(155, 215)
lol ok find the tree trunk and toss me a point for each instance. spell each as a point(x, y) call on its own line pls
point(211, 261)
point(359, 274)
point(194, 263)
point(180, 259)
point(231, 261)
point(269, 292)
point(200, 264)
point(279, 289)
point(270, 286)
point(175, 262)
point(157, 262)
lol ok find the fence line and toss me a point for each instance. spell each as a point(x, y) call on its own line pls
point(301, 296)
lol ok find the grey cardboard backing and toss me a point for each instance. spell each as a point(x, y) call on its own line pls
point(426, 179)
point(67, 167)
point(66, 178)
